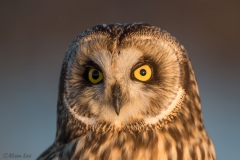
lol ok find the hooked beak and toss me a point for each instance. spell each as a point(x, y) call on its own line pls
point(116, 92)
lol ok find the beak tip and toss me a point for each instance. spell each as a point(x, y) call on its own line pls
point(117, 112)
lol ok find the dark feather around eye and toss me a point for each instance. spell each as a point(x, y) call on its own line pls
point(156, 69)
point(142, 61)
point(88, 65)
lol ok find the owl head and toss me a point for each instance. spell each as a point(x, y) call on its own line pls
point(122, 77)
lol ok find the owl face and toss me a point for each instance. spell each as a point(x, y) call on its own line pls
point(128, 92)
point(122, 74)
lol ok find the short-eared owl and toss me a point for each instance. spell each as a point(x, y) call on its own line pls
point(128, 91)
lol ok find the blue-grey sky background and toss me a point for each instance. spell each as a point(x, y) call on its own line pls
point(34, 36)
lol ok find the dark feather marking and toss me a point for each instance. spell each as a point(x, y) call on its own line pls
point(202, 151)
point(193, 152)
point(180, 151)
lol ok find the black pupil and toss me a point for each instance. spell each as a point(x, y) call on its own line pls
point(143, 72)
point(95, 74)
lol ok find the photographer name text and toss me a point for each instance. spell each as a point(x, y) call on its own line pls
point(15, 156)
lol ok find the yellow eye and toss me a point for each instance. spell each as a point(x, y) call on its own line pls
point(95, 76)
point(143, 73)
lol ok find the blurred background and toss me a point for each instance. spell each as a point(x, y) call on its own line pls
point(34, 36)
